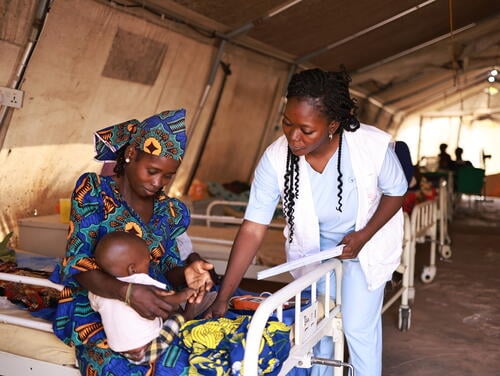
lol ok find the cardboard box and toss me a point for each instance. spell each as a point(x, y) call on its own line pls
point(44, 235)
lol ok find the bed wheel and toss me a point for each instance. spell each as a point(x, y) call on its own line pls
point(404, 320)
point(428, 274)
point(445, 251)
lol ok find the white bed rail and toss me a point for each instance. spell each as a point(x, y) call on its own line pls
point(404, 268)
point(444, 208)
point(27, 322)
point(18, 365)
point(423, 221)
point(210, 218)
point(308, 330)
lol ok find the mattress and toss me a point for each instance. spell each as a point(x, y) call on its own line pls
point(29, 342)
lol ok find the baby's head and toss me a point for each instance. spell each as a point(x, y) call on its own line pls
point(121, 254)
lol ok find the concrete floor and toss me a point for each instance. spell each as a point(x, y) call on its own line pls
point(455, 323)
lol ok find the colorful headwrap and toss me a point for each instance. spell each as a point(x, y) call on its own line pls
point(163, 135)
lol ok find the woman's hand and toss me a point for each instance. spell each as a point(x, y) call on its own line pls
point(217, 309)
point(198, 277)
point(353, 243)
point(151, 302)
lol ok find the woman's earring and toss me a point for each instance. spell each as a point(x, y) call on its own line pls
point(127, 160)
point(330, 136)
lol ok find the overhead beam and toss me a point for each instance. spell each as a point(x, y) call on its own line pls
point(424, 89)
point(309, 56)
point(412, 50)
point(451, 96)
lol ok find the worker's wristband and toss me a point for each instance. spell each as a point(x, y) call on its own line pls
point(128, 293)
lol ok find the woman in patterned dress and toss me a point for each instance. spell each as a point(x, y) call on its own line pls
point(147, 156)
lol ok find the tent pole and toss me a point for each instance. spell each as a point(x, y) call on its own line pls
point(41, 14)
point(419, 138)
point(181, 185)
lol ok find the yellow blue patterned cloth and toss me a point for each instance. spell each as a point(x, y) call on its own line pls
point(216, 346)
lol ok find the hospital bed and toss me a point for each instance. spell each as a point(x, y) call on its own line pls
point(321, 318)
point(423, 229)
point(429, 224)
point(28, 346)
point(405, 268)
point(214, 243)
point(444, 215)
point(212, 236)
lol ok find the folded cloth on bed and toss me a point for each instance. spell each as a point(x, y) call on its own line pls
point(33, 298)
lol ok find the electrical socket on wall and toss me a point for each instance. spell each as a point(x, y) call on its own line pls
point(11, 97)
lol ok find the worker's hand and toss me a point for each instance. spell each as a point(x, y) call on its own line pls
point(353, 243)
point(198, 277)
point(217, 309)
point(151, 302)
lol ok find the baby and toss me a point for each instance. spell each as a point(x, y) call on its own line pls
point(126, 256)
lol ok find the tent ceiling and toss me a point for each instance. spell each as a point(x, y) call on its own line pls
point(402, 54)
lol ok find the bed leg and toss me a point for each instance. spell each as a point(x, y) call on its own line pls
point(333, 363)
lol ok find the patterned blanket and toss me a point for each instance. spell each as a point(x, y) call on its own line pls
point(33, 298)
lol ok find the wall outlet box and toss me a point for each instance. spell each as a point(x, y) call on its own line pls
point(11, 97)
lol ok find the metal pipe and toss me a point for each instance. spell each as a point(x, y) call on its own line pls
point(227, 37)
point(281, 105)
point(444, 94)
point(208, 87)
point(333, 363)
point(41, 13)
point(201, 148)
point(250, 25)
point(362, 32)
point(411, 50)
point(420, 125)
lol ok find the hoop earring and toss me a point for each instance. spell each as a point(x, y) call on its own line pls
point(127, 160)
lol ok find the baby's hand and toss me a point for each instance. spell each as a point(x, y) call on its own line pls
point(136, 355)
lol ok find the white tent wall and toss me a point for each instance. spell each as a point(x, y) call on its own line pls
point(246, 107)
point(475, 131)
point(67, 97)
point(49, 140)
point(15, 23)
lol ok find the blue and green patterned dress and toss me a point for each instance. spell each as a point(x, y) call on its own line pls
point(99, 208)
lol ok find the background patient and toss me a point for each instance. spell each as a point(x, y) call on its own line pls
point(126, 257)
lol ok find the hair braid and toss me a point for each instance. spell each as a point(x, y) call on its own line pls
point(291, 190)
point(119, 168)
point(339, 178)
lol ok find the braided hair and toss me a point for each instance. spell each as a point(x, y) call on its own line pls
point(328, 93)
point(119, 168)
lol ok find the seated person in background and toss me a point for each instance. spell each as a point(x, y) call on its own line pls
point(459, 162)
point(403, 153)
point(425, 192)
point(126, 257)
point(445, 162)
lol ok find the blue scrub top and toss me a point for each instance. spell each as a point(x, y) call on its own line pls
point(333, 225)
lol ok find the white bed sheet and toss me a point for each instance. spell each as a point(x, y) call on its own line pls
point(29, 342)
